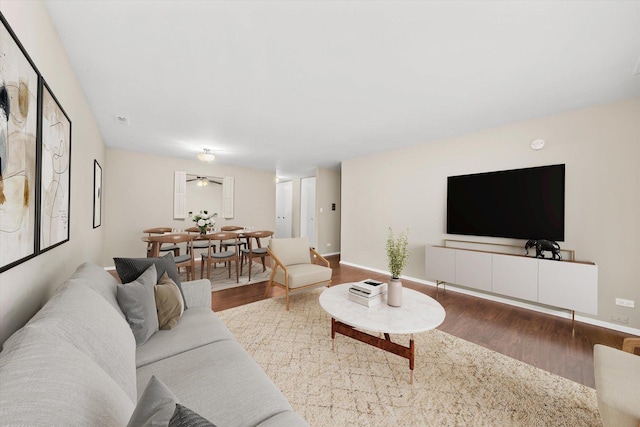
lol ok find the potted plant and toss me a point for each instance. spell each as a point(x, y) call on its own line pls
point(397, 257)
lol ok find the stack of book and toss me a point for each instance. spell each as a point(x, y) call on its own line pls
point(367, 292)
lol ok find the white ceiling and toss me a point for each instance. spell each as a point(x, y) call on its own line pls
point(288, 86)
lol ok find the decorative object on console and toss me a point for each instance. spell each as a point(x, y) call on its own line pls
point(397, 256)
point(206, 155)
point(205, 221)
point(544, 245)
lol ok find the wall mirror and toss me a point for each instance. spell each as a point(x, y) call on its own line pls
point(204, 193)
point(196, 192)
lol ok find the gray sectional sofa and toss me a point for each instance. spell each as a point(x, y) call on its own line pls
point(75, 363)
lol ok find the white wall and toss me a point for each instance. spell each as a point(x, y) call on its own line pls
point(138, 194)
point(601, 149)
point(24, 288)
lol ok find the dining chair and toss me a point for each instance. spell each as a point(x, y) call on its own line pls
point(238, 242)
point(199, 243)
point(254, 251)
point(226, 256)
point(162, 230)
point(187, 260)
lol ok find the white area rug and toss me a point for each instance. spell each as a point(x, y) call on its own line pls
point(220, 276)
point(456, 383)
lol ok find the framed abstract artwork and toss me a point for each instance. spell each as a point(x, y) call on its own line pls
point(19, 180)
point(97, 194)
point(55, 172)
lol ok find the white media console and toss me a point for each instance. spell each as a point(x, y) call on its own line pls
point(571, 285)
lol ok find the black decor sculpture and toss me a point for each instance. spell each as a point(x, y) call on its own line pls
point(543, 245)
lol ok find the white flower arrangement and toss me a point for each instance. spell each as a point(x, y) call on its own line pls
point(204, 220)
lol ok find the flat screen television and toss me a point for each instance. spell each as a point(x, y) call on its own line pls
point(519, 203)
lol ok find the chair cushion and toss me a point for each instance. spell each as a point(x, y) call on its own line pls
point(291, 251)
point(303, 274)
point(138, 303)
point(255, 251)
point(182, 258)
point(169, 248)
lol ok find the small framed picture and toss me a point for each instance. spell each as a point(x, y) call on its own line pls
point(97, 194)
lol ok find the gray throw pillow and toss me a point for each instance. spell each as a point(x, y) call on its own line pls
point(155, 406)
point(185, 417)
point(138, 303)
point(129, 269)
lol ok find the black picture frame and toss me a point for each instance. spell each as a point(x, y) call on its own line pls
point(20, 98)
point(55, 171)
point(97, 194)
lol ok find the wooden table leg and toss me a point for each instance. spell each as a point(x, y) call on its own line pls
point(333, 334)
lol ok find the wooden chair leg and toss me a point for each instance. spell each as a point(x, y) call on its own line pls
point(266, 291)
point(201, 266)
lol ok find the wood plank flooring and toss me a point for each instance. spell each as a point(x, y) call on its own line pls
point(542, 340)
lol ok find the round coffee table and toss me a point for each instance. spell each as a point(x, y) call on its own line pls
point(418, 313)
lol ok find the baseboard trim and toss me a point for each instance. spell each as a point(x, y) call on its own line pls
point(566, 314)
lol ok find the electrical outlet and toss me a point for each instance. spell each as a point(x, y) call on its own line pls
point(620, 319)
point(625, 302)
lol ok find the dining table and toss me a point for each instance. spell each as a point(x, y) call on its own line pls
point(153, 240)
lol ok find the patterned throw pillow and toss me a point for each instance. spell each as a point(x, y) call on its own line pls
point(169, 302)
point(129, 269)
point(185, 417)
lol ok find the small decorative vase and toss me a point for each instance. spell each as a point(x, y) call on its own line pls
point(203, 231)
point(394, 293)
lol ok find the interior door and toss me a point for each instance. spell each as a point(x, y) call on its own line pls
point(284, 209)
point(308, 209)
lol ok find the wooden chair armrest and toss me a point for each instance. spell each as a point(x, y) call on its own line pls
point(319, 258)
point(276, 262)
point(630, 345)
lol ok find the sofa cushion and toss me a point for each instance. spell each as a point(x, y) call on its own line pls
point(222, 383)
point(169, 302)
point(129, 269)
point(98, 279)
point(156, 406)
point(138, 303)
point(47, 381)
point(303, 274)
point(79, 316)
point(291, 251)
point(198, 326)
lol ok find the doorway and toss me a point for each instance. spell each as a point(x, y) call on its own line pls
point(308, 209)
point(284, 209)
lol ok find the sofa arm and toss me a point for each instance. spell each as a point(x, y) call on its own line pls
point(197, 293)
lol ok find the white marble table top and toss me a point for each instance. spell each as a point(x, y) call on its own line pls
point(418, 313)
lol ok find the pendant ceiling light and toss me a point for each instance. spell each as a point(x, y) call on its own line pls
point(206, 156)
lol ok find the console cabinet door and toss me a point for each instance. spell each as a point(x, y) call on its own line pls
point(569, 285)
point(440, 264)
point(515, 276)
point(473, 270)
